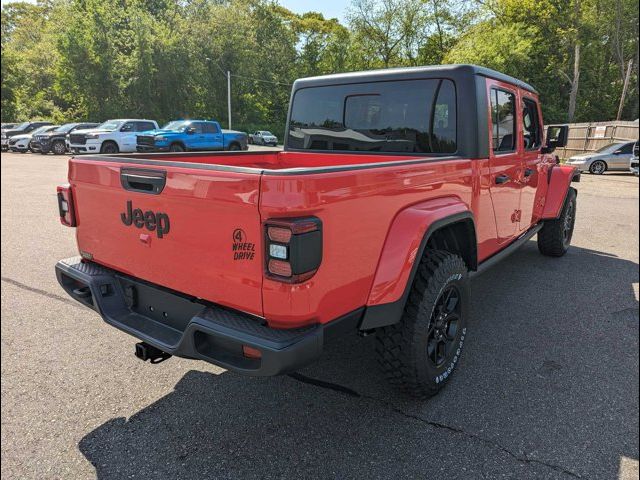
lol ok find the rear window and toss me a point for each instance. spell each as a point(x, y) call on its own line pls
point(407, 116)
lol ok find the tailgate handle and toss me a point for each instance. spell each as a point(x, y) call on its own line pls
point(143, 181)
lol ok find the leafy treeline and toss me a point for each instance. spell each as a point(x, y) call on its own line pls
point(165, 59)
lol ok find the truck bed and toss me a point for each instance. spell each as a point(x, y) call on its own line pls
point(261, 161)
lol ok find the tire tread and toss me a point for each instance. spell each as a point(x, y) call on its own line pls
point(394, 343)
point(551, 236)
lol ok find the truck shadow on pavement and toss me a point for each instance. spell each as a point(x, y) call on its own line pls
point(547, 388)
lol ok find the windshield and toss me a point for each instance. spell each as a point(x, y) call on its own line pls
point(46, 128)
point(109, 125)
point(266, 133)
point(608, 148)
point(65, 128)
point(22, 126)
point(176, 125)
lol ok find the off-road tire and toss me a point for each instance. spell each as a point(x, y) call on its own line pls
point(234, 147)
point(403, 348)
point(58, 147)
point(176, 147)
point(109, 147)
point(555, 236)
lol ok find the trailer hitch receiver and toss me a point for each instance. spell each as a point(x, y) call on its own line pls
point(145, 352)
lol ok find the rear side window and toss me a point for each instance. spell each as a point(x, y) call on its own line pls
point(210, 128)
point(628, 148)
point(503, 119)
point(144, 126)
point(398, 116)
point(531, 131)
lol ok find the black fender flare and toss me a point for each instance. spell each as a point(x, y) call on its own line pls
point(377, 316)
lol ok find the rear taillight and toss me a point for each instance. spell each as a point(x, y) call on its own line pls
point(65, 206)
point(293, 248)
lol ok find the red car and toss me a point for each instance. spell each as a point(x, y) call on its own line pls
point(394, 188)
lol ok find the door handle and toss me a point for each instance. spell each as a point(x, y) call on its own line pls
point(500, 179)
point(528, 172)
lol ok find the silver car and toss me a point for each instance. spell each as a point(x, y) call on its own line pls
point(263, 137)
point(614, 156)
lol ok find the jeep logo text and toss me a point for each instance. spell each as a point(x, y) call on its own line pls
point(150, 220)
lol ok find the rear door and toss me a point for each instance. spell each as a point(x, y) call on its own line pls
point(530, 133)
point(213, 136)
point(621, 156)
point(200, 235)
point(504, 159)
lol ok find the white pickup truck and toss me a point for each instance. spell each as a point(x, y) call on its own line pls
point(112, 136)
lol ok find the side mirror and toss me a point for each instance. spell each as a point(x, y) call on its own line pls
point(190, 130)
point(557, 136)
point(126, 128)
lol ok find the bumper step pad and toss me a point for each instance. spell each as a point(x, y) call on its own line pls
point(183, 327)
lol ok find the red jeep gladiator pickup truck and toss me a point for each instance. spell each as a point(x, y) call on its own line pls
point(394, 188)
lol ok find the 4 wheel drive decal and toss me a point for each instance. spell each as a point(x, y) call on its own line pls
point(242, 250)
point(150, 220)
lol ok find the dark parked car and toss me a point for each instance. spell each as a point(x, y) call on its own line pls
point(26, 127)
point(55, 140)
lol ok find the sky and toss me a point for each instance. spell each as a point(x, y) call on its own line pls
point(329, 8)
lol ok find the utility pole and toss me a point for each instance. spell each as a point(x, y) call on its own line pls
point(624, 89)
point(229, 97)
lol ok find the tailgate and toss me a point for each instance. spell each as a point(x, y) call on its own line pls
point(196, 231)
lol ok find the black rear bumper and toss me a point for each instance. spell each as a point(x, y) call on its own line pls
point(181, 326)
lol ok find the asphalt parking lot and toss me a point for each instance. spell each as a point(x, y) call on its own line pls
point(547, 386)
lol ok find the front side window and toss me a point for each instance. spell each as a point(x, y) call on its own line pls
point(503, 120)
point(531, 131)
point(412, 116)
point(197, 127)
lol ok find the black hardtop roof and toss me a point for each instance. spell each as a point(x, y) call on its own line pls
point(406, 73)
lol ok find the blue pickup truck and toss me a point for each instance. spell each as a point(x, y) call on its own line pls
point(185, 135)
